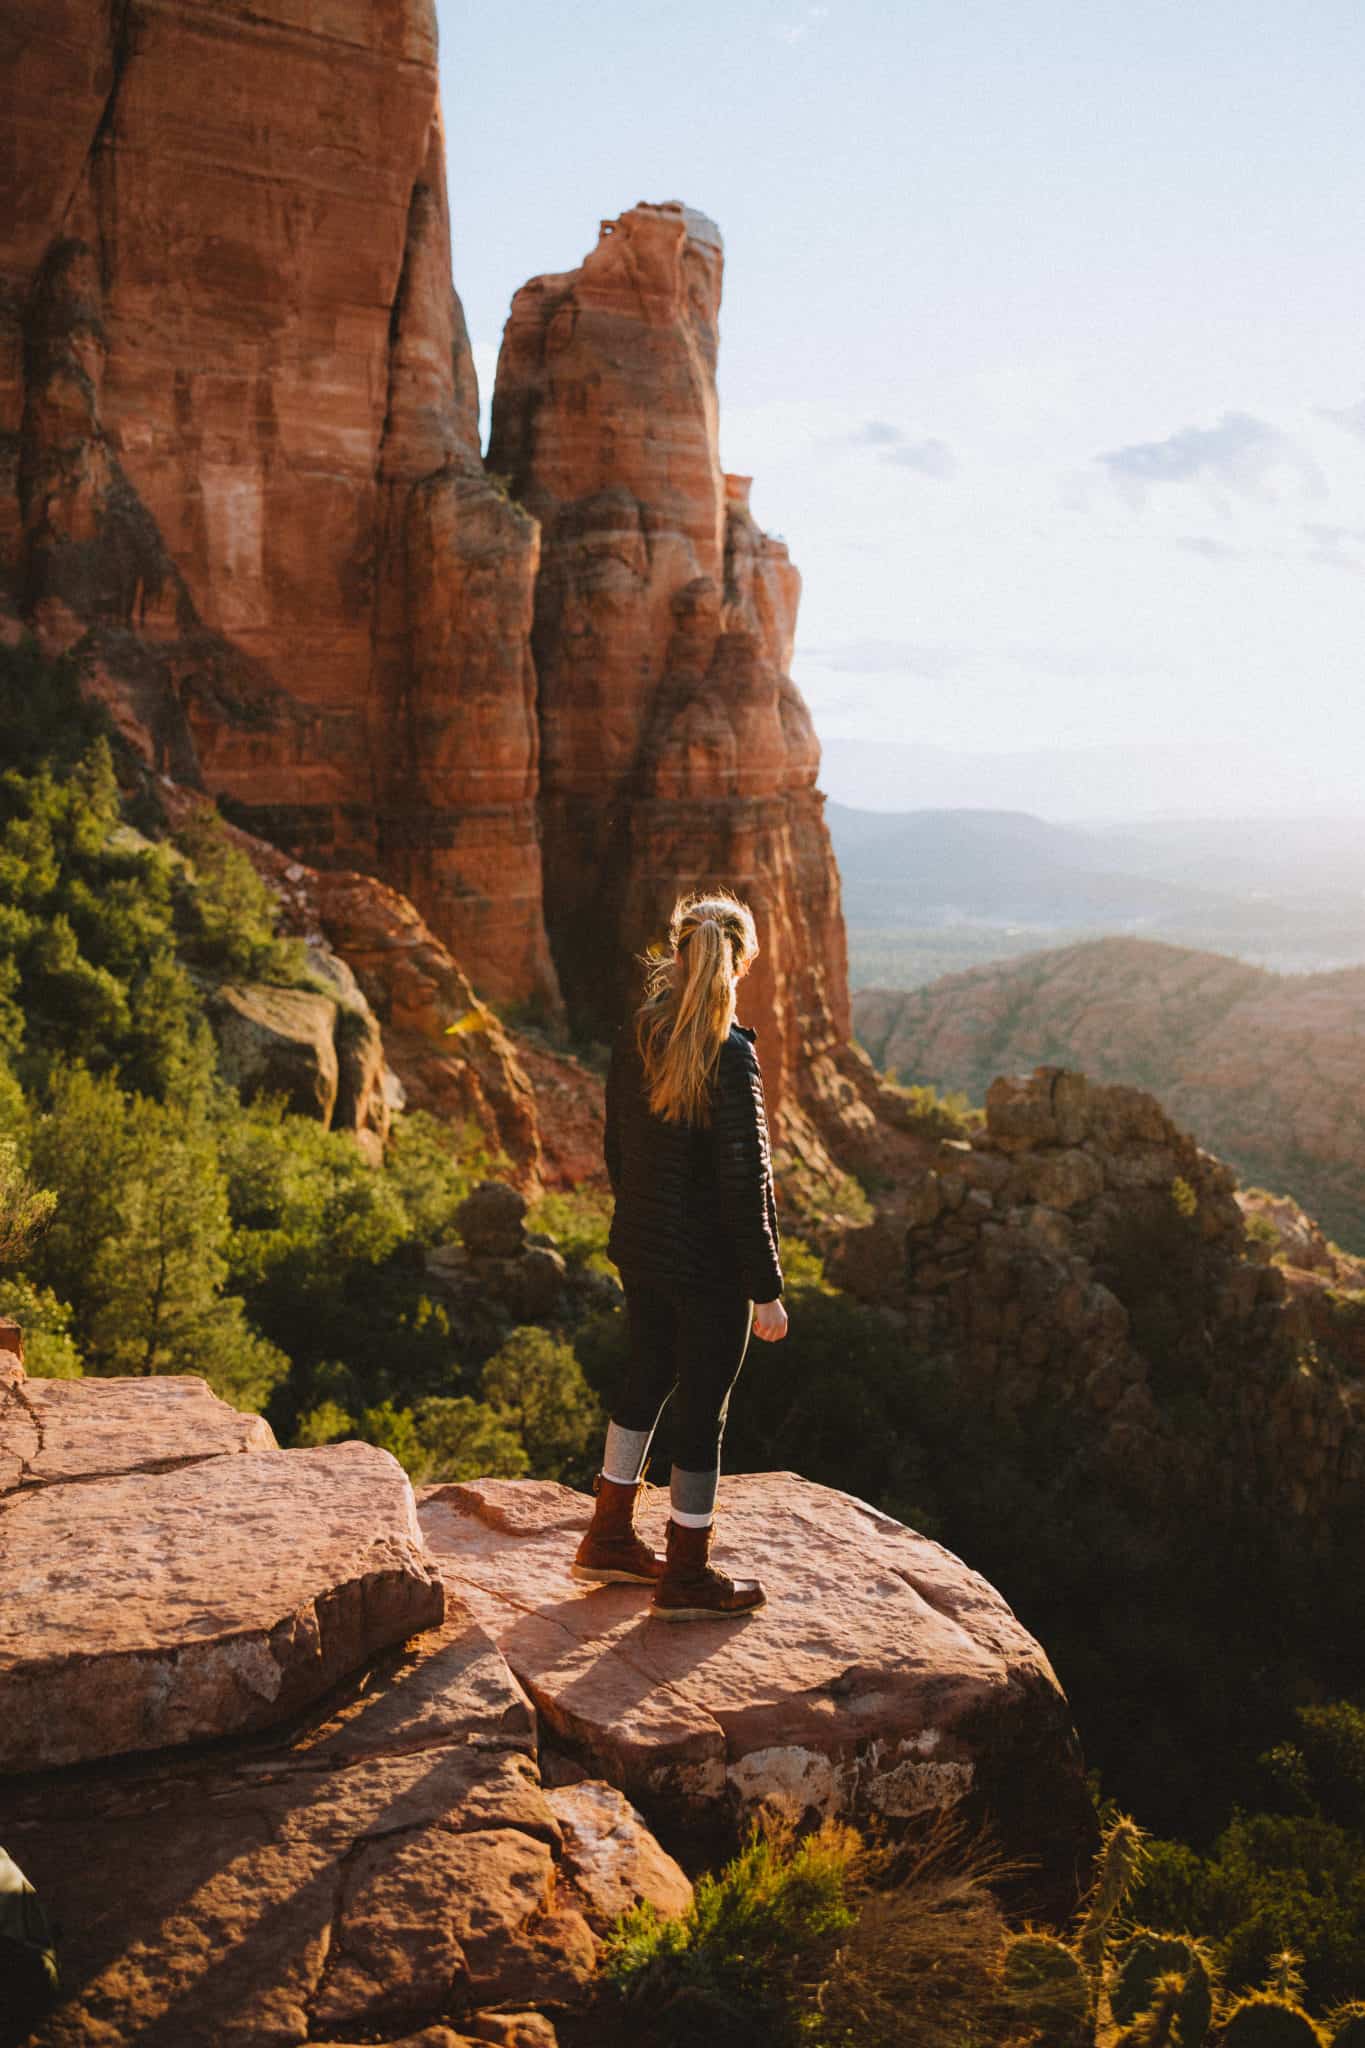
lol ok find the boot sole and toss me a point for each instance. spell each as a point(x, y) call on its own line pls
point(705, 1613)
point(610, 1576)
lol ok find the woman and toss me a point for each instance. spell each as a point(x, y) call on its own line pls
point(694, 1235)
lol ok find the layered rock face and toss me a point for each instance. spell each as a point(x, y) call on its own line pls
point(362, 1865)
point(238, 423)
point(675, 750)
point(1082, 1253)
point(240, 475)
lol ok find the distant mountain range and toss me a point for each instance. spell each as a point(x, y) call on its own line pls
point(930, 891)
point(1268, 1069)
point(1160, 779)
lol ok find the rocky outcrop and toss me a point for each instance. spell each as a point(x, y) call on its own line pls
point(193, 1594)
point(382, 1862)
point(424, 1847)
point(240, 450)
point(1325, 1286)
point(612, 1857)
point(496, 1276)
point(324, 1060)
point(440, 1048)
point(884, 1678)
point(389, 1864)
point(1266, 1067)
point(1083, 1254)
point(675, 748)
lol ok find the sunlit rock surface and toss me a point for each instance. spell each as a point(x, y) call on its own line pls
point(884, 1678)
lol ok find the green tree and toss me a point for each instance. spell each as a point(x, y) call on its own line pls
point(535, 1385)
point(462, 1439)
point(226, 917)
point(138, 1241)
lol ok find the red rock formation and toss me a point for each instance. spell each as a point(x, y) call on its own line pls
point(237, 407)
point(674, 747)
point(889, 1679)
point(238, 414)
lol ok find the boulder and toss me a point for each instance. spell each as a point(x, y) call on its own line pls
point(278, 1041)
point(884, 1679)
point(386, 1868)
point(610, 1856)
point(146, 1609)
point(491, 1221)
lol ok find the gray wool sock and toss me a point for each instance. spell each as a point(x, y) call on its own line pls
point(693, 1497)
point(623, 1460)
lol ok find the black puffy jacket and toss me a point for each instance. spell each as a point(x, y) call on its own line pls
point(694, 1203)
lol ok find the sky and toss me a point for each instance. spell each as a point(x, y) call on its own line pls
point(1043, 338)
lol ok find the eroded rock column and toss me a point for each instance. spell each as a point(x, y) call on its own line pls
point(675, 749)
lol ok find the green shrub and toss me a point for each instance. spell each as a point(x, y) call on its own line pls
point(741, 1965)
point(578, 1221)
point(226, 916)
point(50, 1350)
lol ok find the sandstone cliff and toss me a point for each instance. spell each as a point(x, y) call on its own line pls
point(675, 748)
point(1265, 1067)
point(240, 477)
point(239, 458)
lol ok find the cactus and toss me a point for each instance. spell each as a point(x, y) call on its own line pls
point(1284, 1979)
point(1159, 2025)
point(1147, 1956)
point(1123, 1852)
point(1264, 2021)
point(1046, 1986)
point(1347, 2026)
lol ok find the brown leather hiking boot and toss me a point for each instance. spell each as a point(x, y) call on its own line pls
point(691, 1588)
point(611, 1549)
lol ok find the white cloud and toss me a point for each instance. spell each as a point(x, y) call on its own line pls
point(1240, 454)
point(1352, 417)
point(929, 457)
point(797, 31)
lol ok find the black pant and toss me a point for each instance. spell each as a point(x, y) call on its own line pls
point(694, 1343)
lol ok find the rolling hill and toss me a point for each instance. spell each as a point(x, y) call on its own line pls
point(1268, 1068)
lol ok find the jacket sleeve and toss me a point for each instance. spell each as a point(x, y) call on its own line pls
point(744, 1183)
point(611, 1135)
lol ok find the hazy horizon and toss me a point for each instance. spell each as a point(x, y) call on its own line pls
point(1041, 339)
point(1098, 786)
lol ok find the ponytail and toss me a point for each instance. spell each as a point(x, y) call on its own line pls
point(689, 1002)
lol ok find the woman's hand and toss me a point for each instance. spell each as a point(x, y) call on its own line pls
point(770, 1321)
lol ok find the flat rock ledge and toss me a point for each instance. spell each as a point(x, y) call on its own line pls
point(173, 1601)
point(63, 1430)
point(884, 1678)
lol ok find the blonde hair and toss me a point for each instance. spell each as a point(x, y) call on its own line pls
point(689, 1002)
